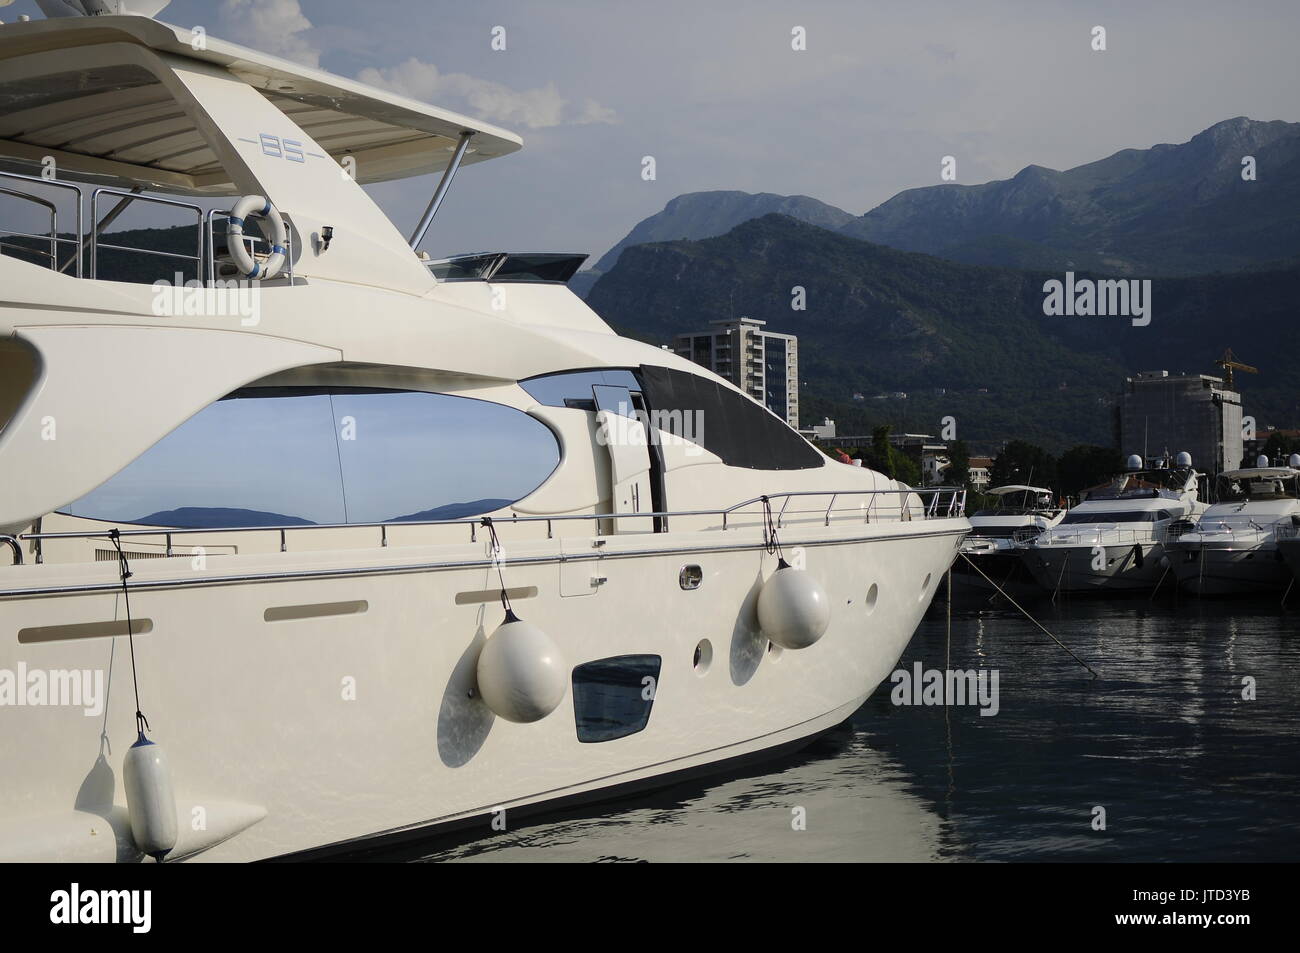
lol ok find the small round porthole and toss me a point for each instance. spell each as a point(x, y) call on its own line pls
point(690, 577)
point(703, 657)
point(873, 594)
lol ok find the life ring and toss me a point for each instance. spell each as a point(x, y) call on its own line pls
point(256, 206)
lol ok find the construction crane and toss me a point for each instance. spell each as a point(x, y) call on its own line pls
point(1229, 363)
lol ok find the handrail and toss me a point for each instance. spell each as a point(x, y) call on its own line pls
point(1100, 536)
point(955, 508)
point(56, 184)
point(95, 243)
point(50, 207)
point(12, 541)
point(205, 245)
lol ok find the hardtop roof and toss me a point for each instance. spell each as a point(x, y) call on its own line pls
point(121, 119)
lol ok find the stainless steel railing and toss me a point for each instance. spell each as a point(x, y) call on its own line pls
point(54, 219)
point(87, 245)
point(96, 244)
point(945, 503)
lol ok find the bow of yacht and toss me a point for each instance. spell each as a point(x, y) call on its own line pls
point(375, 544)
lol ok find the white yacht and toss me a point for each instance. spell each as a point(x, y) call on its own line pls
point(1022, 513)
point(359, 545)
point(1114, 540)
point(1233, 547)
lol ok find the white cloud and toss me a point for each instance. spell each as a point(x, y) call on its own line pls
point(533, 108)
point(274, 26)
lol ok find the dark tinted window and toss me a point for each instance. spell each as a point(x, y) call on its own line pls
point(612, 697)
point(1123, 516)
point(732, 426)
point(573, 388)
point(282, 456)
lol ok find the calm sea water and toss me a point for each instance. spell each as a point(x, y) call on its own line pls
point(1185, 768)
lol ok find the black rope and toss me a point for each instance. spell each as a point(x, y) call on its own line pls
point(496, 558)
point(141, 722)
point(771, 542)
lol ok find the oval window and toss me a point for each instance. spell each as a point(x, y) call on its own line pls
point(296, 456)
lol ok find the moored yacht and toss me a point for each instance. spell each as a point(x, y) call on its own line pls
point(1233, 547)
point(380, 544)
point(990, 555)
point(1114, 540)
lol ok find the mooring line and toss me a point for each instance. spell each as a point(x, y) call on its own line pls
point(1059, 579)
point(1160, 583)
point(1028, 616)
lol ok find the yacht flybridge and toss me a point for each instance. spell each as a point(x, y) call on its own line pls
point(1233, 547)
point(409, 543)
point(1115, 539)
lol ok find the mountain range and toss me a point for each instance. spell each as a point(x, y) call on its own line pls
point(967, 341)
point(1169, 210)
point(938, 293)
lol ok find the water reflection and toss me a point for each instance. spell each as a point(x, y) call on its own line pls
point(852, 798)
point(1186, 768)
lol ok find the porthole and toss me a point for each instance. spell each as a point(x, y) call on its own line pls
point(690, 577)
point(873, 594)
point(703, 657)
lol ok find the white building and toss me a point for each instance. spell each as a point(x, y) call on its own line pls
point(764, 364)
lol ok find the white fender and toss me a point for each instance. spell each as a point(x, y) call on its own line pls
point(793, 610)
point(150, 798)
point(521, 674)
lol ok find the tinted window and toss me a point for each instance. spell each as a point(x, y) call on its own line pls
point(573, 388)
point(732, 426)
point(1125, 516)
point(414, 456)
point(281, 456)
point(610, 696)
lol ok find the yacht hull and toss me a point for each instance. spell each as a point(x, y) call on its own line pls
point(1005, 568)
point(1290, 550)
point(336, 706)
point(1207, 569)
point(1073, 568)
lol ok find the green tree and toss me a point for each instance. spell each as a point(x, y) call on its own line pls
point(1278, 446)
point(882, 456)
point(1021, 462)
point(958, 464)
point(1085, 466)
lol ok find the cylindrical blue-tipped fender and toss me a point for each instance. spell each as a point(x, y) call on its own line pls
point(150, 798)
point(521, 675)
point(793, 610)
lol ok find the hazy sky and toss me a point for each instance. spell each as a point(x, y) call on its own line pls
point(715, 93)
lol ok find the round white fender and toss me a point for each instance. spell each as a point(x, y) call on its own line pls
point(258, 207)
point(793, 610)
point(521, 675)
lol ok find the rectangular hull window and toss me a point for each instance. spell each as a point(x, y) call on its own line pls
point(612, 697)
